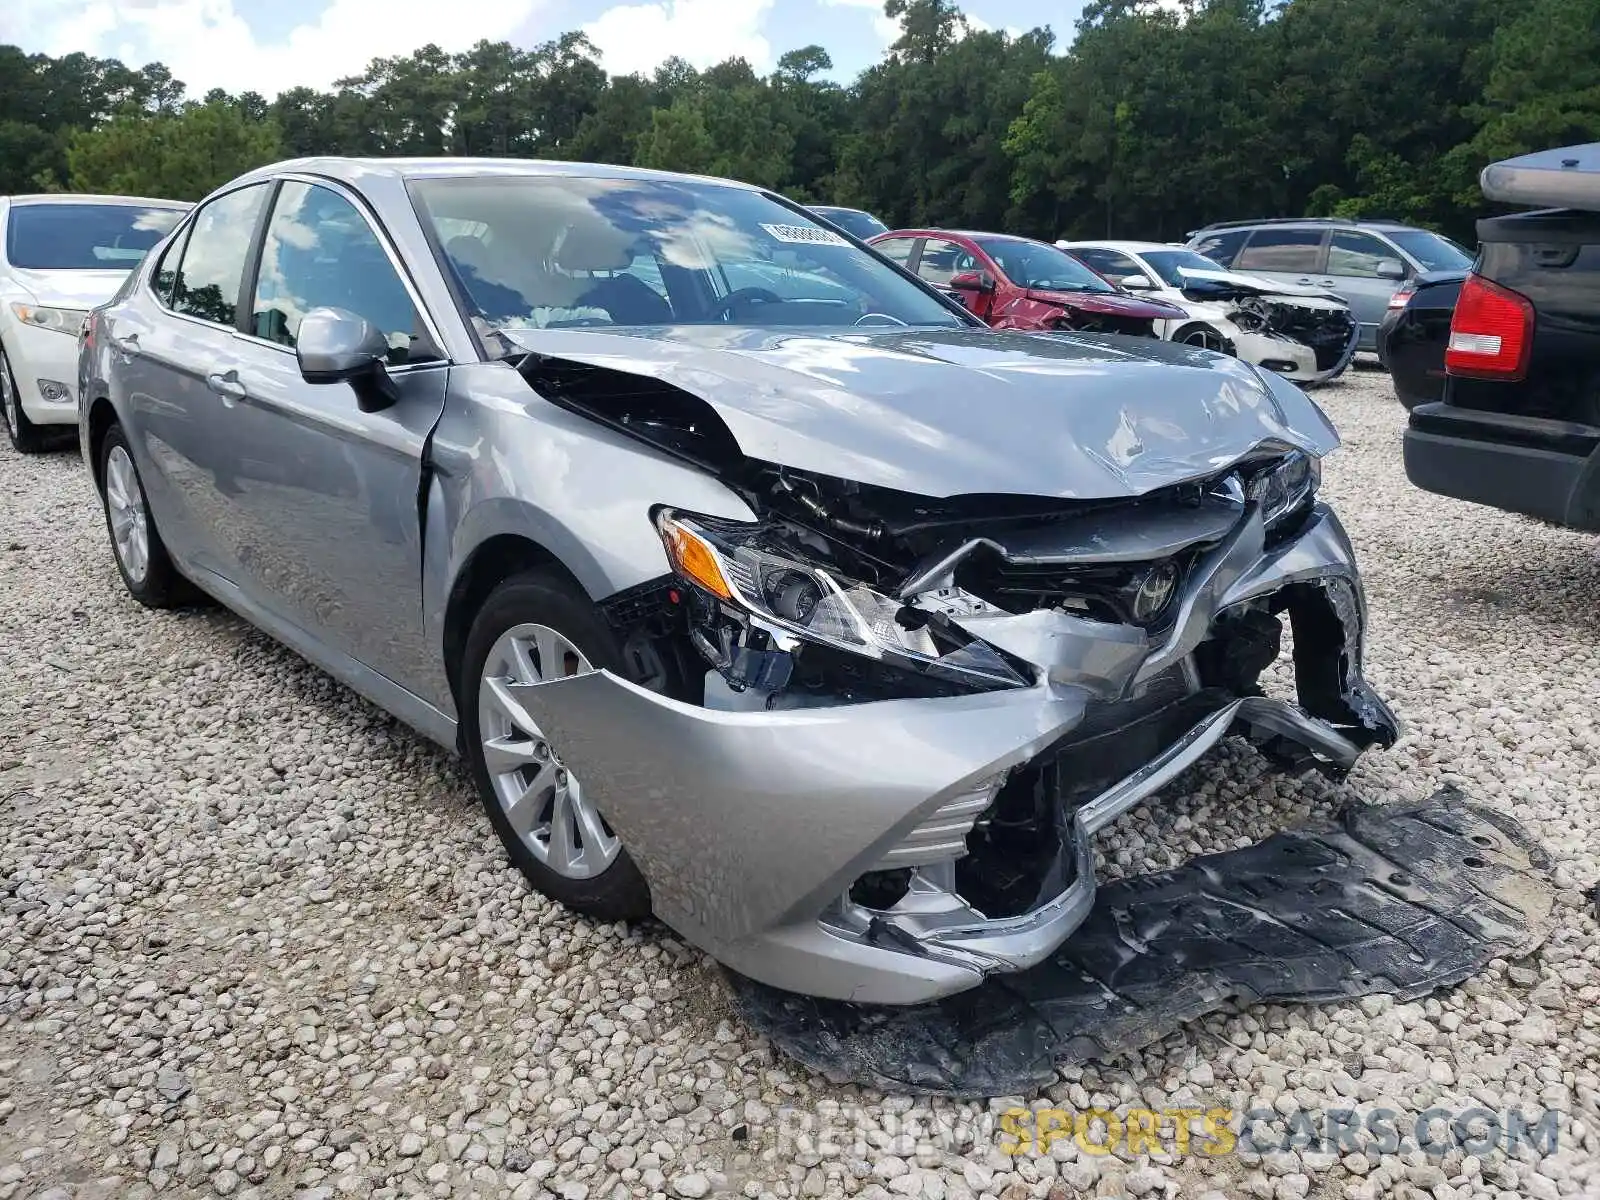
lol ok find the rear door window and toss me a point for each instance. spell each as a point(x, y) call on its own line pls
point(165, 277)
point(896, 249)
point(1222, 246)
point(214, 257)
point(1281, 250)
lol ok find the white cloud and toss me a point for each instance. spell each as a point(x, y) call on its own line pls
point(207, 43)
point(639, 37)
point(979, 25)
point(887, 29)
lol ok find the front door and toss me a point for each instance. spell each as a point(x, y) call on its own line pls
point(941, 261)
point(329, 536)
point(1363, 270)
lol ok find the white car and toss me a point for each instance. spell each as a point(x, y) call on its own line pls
point(1306, 334)
point(60, 256)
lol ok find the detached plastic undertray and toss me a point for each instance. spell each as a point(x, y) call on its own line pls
point(1399, 900)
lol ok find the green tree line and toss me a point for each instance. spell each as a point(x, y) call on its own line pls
point(1154, 119)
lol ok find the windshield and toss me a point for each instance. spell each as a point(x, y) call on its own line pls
point(84, 237)
point(862, 225)
point(1170, 264)
point(1036, 265)
point(549, 251)
point(1435, 253)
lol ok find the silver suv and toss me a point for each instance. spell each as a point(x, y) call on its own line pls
point(1365, 262)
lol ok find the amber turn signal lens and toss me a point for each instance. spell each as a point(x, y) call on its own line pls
point(693, 559)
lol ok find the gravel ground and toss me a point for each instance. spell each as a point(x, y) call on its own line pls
point(256, 940)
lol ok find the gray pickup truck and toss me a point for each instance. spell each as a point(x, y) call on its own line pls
point(1518, 427)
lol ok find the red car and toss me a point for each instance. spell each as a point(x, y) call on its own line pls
point(1018, 283)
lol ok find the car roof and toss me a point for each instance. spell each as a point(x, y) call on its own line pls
point(1125, 247)
point(89, 198)
point(354, 170)
point(933, 231)
point(1314, 222)
point(826, 208)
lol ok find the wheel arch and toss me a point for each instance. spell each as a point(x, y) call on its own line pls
point(1189, 328)
point(102, 416)
point(490, 563)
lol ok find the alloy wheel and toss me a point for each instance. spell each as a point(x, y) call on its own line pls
point(1205, 339)
point(130, 525)
point(542, 801)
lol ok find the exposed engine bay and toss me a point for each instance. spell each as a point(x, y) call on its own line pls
point(1153, 616)
point(1308, 338)
point(1085, 320)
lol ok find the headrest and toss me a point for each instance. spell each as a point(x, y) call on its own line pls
point(468, 251)
point(594, 245)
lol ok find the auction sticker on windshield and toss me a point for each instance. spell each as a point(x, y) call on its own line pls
point(804, 235)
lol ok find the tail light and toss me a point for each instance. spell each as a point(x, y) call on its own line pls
point(1491, 332)
point(1401, 298)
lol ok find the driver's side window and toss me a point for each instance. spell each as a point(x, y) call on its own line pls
point(321, 252)
point(938, 262)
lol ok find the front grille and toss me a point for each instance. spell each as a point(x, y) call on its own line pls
point(1103, 592)
point(943, 834)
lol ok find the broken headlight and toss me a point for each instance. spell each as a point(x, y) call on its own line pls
point(737, 564)
point(1286, 486)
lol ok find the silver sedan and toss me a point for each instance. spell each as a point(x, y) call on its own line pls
point(761, 586)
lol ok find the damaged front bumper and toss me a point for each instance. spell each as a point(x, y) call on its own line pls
point(1294, 360)
point(1311, 353)
point(828, 849)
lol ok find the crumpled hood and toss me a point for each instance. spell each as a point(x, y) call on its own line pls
point(1233, 283)
point(71, 289)
point(944, 412)
point(1111, 303)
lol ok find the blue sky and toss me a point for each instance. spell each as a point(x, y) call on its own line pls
point(270, 45)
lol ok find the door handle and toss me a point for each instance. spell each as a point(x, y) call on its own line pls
point(226, 384)
point(128, 346)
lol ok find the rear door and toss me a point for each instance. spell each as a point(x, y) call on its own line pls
point(1356, 268)
point(1288, 254)
point(175, 346)
point(330, 538)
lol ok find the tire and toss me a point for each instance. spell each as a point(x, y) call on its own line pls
point(148, 574)
point(25, 436)
point(1204, 337)
point(530, 623)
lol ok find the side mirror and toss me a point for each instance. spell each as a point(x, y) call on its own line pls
point(335, 345)
point(1137, 282)
point(972, 281)
point(1391, 268)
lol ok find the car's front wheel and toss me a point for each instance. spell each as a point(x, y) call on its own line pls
point(141, 555)
point(534, 628)
point(27, 437)
point(1204, 337)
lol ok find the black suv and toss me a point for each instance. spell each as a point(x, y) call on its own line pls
point(1519, 425)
